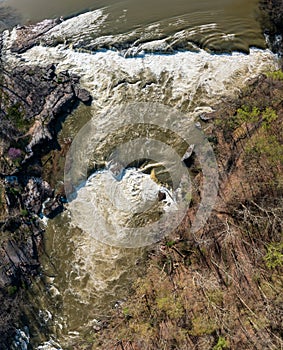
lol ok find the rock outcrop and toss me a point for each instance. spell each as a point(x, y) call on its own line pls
point(272, 24)
point(34, 101)
point(34, 98)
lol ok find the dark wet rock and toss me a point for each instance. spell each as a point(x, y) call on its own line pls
point(12, 180)
point(35, 193)
point(18, 262)
point(52, 208)
point(40, 134)
point(83, 95)
point(39, 91)
point(37, 97)
point(21, 339)
point(28, 36)
point(161, 196)
point(21, 242)
point(11, 303)
point(21, 239)
point(11, 224)
point(15, 257)
point(272, 24)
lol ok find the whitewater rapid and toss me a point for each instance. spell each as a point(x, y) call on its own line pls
point(186, 80)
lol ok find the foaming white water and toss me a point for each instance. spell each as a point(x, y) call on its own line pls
point(89, 278)
point(109, 209)
point(185, 80)
point(50, 345)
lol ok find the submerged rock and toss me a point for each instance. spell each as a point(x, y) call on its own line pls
point(27, 36)
point(9, 17)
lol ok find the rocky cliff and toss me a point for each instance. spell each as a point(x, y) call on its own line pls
point(33, 103)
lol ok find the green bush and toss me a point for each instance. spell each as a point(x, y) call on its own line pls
point(173, 308)
point(247, 114)
point(170, 243)
point(221, 344)
point(276, 75)
point(274, 255)
point(202, 325)
point(268, 116)
point(16, 116)
point(267, 146)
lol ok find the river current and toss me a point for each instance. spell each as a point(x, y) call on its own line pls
point(217, 25)
point(185, 55)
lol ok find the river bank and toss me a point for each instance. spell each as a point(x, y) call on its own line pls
point(34, 102)
point(221, 288)
point(32, 110)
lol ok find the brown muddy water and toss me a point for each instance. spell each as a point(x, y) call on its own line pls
point(224, 23)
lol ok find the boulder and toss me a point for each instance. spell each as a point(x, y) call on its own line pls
point(83, 95)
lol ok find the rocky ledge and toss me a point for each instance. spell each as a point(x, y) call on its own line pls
point(272, 24)
point(33, 103)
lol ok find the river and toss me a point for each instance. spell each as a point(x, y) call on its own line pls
point(159, 52)
point(224, 24)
